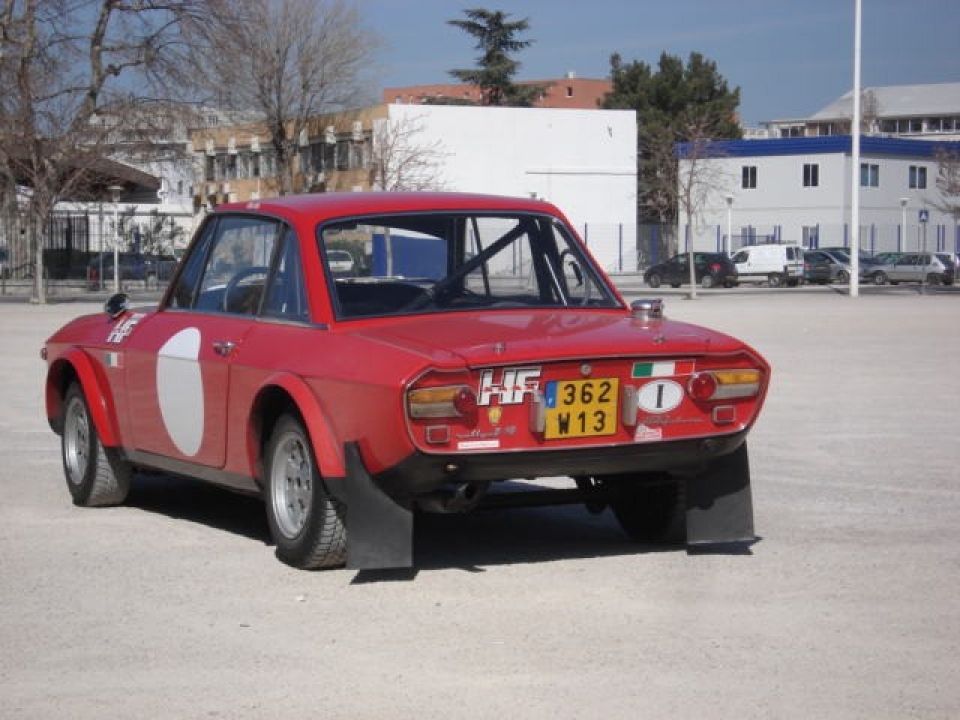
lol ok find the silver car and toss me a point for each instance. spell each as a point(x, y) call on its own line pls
point(914, 267)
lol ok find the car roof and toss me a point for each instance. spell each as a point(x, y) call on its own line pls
point(321, 206)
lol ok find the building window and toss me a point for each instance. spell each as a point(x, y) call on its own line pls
point(569, 91)
point(869, 175)
point(811, 175)
point(918, 177)
point(749, 181)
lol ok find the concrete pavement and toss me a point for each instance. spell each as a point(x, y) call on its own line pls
point(174, 606)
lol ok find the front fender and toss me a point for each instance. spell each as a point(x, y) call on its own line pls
point(326, 447)
point(96, 390)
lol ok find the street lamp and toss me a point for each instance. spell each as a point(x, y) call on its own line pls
point(115, 191)
point(726, 245)
point(903, 223)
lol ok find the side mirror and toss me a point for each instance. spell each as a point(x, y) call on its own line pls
point(116, 305)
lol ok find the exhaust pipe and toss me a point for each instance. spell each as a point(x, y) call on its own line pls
point(464, 498)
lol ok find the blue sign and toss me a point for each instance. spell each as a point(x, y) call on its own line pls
point(924, 215)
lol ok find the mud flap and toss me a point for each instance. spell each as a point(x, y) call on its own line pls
point(719, 502)
point(379, 529)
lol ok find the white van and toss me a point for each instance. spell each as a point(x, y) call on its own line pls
point(776, 265)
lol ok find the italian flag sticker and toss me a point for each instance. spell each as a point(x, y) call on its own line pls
point(662, 368)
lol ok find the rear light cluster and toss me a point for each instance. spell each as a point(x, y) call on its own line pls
point(724, 384)
point(451, 401)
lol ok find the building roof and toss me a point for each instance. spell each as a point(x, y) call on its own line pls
point(899, 101)
point(869, 145)
point(566, 92)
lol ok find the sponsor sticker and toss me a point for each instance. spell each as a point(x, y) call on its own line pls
point(121, 331)
point(478, 444)
point(645, 433)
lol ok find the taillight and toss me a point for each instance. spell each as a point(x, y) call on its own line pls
point(724, 384)
point(450, 401)
point(716, 267)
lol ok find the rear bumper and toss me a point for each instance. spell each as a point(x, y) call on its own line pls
point(421, 474)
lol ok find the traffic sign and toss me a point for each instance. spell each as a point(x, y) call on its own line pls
point(924, 215)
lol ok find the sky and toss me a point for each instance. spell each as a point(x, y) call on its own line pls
point(789, 59)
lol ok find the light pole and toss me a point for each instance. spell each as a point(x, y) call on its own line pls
point(903, 224)
point(726, 244)
point(115, 191)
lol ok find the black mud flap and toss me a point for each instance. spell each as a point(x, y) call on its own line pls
point(379, 529)
point(719, 502)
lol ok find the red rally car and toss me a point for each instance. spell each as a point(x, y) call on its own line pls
point(476, 342)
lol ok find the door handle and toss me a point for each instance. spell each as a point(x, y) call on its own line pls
point(223, 347)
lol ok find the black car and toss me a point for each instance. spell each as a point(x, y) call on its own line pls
point(710, 270)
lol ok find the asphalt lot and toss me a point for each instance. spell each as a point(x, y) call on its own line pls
point(175, 607)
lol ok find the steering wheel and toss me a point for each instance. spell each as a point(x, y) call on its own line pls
point(235, 281)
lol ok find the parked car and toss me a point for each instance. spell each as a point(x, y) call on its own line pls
point(865, 265)
point(341, 263)
point(821, 267)
point(927, 268)
point(349, 403)
point(773, 264)
point(888, 256)
point(133, 266)
point(710, 269)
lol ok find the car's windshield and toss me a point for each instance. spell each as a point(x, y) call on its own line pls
point(442, 261)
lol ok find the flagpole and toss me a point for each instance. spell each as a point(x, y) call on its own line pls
point(855, 161)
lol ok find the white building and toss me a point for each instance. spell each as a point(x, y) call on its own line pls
point(584, 161)
point(929, 112)
point(799, 190)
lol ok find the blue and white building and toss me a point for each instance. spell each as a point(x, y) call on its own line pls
point(798, 189)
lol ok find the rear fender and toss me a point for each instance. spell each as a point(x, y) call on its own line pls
point(95, 388)
point(322, 435)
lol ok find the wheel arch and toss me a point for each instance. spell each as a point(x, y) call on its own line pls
point(282, 394)
point(75, 365)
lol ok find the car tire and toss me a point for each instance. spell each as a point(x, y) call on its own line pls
point(306, 522)
point(96, 475)
point(843, 277)
point(654, 280)
point(879, 278)
point(934, 279)
point(706, 282)
point(775, 280)
point(646, 506)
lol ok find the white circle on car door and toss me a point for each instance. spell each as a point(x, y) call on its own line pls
point(660, 396)
point(180, 390)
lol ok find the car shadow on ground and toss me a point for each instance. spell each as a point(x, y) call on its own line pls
point(466, 541)
point(197, 502)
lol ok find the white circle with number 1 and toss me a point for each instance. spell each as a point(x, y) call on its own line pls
point(660, 396)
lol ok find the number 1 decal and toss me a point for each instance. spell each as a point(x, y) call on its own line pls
point(660, 396)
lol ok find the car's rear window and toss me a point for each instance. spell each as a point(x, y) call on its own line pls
point(447, 261)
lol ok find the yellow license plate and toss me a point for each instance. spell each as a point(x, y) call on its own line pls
point(581, 408)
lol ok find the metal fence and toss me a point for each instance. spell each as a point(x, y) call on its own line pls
point(72, 239)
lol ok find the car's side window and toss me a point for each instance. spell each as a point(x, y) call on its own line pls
point(184, 293)
point(287, 297)
point(234, 274)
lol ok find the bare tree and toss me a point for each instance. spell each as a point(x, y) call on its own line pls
point(285, 62)
point(948, 182)
point(869, 111)
point(696, 178)
point(402, 159)
point(73, 72)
